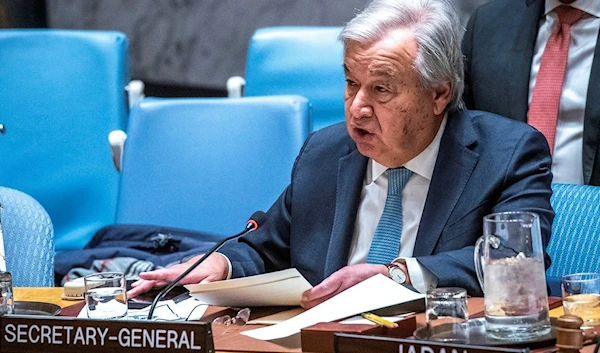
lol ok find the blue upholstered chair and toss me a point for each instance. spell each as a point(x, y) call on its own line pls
point(28, 239)
point(306, 61)
point(208, 163)
point(574, 244)
point(62, 92)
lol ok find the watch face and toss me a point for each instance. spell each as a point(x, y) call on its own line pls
point(397, 275)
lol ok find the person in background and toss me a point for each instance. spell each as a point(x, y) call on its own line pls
point(401, 188)
point(4, 23)
point(538, 61)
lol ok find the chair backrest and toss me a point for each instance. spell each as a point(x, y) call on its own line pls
point(306, 61)
point(574, 245)
point(28, 239)
point(208, 163)
point(62, 92)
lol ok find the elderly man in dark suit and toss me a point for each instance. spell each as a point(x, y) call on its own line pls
point(401, 188)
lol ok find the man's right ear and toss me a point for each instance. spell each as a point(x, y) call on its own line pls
point(442, 95)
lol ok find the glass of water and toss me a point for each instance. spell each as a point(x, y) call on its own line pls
point(6, 293)
point(105, 295)
point(581, 297)
point(447, 315)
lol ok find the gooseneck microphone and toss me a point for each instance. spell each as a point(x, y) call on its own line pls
point(255, 221)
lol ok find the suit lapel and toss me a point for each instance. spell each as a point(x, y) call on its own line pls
point(521, 56)
point(453, 167)
point(350, 177)
point(591, 124)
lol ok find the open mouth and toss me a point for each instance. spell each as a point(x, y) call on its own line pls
point(361, 132)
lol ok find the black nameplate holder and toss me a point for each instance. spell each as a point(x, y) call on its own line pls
point(19, 334)
point(352, 343)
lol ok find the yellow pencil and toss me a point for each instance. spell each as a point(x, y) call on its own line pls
point(379, 320)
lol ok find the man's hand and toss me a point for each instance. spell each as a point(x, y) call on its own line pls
point(214, 268)
point(339, 281)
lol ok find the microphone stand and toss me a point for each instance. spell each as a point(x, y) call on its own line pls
point(252, 225)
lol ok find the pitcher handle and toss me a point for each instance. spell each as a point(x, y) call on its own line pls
point(477, 255)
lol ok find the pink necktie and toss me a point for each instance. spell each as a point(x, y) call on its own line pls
point(545, 101)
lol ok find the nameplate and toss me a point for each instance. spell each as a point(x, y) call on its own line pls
point(63, 334)
point(351, 343)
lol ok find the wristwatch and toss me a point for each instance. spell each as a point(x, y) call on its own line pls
point(396, 273)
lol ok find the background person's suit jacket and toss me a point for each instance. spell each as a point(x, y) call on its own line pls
point(499, 46)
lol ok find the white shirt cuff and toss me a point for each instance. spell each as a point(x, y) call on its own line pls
point(228, 263)
point(420, 277)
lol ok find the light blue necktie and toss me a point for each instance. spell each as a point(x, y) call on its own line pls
point(386, 240)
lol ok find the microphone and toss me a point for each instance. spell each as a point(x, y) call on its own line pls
point(255, 221)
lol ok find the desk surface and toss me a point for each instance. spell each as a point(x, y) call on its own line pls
point(230, 340)
point(45, 294)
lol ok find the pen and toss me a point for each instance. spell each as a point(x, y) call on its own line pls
point(379, 320)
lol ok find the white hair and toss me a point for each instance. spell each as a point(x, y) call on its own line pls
point(436, 28)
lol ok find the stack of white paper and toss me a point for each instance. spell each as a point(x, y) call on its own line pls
point(376, 292)
point(281, 288)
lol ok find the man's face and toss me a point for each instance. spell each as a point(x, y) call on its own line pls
point(389, 116)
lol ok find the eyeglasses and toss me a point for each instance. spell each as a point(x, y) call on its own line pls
point(239, 320)
point(142, 314)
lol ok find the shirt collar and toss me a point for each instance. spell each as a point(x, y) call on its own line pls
point(422, 164)
point(591, 7)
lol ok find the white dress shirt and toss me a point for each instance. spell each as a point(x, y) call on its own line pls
point(372, 202)
point(567, 165)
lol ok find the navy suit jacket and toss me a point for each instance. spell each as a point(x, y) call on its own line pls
point(498, 46)
point(485, 164)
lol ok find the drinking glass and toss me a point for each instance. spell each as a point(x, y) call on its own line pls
point(105, 295)
point(509, 259)
point(6, 293)
point(581, 297)
point(447, 315)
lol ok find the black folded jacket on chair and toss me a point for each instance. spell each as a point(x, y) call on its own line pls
point(161, 246)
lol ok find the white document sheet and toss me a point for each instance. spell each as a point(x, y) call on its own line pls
point(281, 288)
point(376, 292)
point(167, 310)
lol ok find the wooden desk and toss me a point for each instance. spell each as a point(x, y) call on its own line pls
point(43, 294)
point(230, 340)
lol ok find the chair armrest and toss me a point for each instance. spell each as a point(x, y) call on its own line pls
point(116, 139)
point(235, 86)
point(135, 92)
